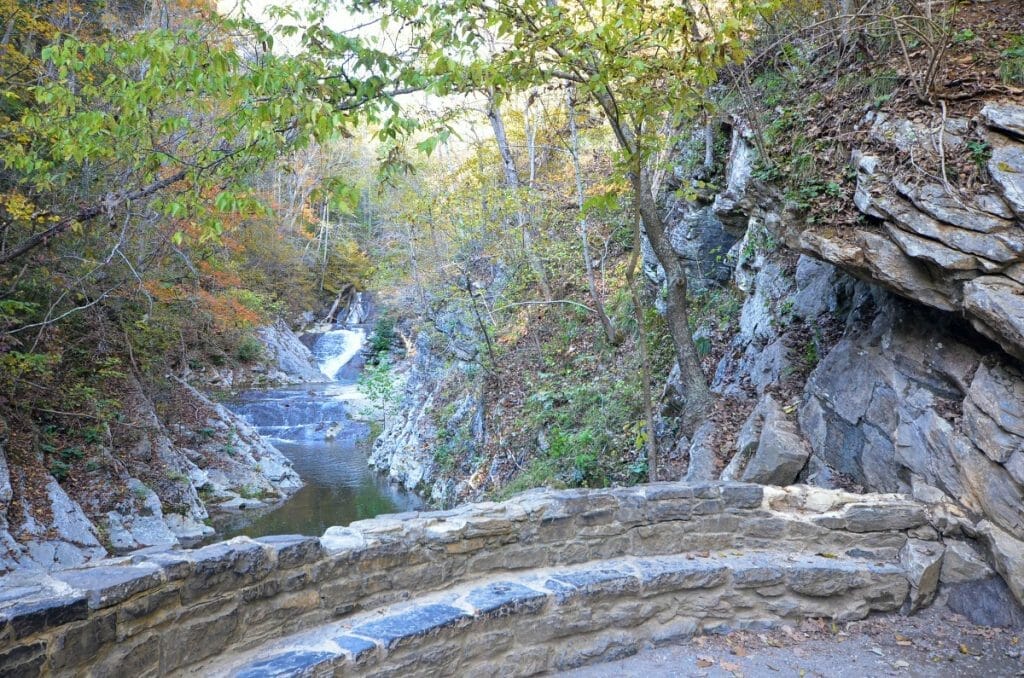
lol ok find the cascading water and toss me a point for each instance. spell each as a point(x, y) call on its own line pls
point(313, 426)
point(336, 348)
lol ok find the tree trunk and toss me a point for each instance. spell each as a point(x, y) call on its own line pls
point(588, 261)
point(512, 183)
point(645, 359)
point(698, 397)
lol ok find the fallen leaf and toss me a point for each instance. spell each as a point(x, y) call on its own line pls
point(731, 668)
point(704, 662)
point(827, 555)
point(902, 640)
point(878, 651)
point(968, 651)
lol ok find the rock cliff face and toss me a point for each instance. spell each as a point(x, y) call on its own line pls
point(153, 483)
point(886, 356)
point(408, 448)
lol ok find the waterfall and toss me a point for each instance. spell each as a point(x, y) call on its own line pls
point(314, 411)
point(334, 349)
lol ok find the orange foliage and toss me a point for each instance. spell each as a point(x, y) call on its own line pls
point(228, 312)
point(218, 278)
point(165, 294)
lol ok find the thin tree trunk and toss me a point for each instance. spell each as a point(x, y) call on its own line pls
point(480, 320)
point(645, 361)
point(512, 183)
point(709, 144)
point(588, 261)
point(697, 395)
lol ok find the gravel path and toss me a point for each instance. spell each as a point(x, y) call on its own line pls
point(933, 643)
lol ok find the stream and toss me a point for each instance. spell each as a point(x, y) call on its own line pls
point(312, 425)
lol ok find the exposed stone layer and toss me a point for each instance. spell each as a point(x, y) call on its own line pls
point(952, 251)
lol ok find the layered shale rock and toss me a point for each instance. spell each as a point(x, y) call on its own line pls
point(889, 351)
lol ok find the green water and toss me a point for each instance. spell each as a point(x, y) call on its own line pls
point(339, 485)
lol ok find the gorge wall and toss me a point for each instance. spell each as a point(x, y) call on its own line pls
point(177, 455)
point(884, 356)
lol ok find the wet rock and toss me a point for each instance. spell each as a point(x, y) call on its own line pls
point(289, 355)
point(922, 561)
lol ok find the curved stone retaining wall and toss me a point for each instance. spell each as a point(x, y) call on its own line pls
point(159, 612)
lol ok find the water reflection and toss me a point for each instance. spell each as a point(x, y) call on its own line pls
point(340, 488)
point(312, 426)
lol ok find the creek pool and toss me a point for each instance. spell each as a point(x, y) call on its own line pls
point(313, 426)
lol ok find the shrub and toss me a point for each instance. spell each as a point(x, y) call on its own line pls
point(1011, 68)
point(249, 350)
point(383, 337)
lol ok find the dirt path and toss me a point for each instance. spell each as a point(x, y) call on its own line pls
point(934, 643)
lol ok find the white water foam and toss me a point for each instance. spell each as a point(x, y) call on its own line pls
point(338, 347)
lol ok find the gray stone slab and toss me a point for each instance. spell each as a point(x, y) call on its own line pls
point(176, 564)
point(743, 496)
point(106, 586)
point(412, 623)
point(31, 616)
point(597, 580)
point(293, 550)
point(501, 598)
point(293, 663)
point(676, 574)
point(355, 648)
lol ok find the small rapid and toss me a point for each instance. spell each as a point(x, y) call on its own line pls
point(319, 427)
point(334, 349)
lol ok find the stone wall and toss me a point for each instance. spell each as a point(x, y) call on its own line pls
point(161, 611)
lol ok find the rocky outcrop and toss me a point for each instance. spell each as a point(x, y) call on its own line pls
point(948, 249)
point(154, 488)
point(661, 562)
point(405, 448)
point(887, 354)
point(416, 433)
point(770, 449)
point(290, 358)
